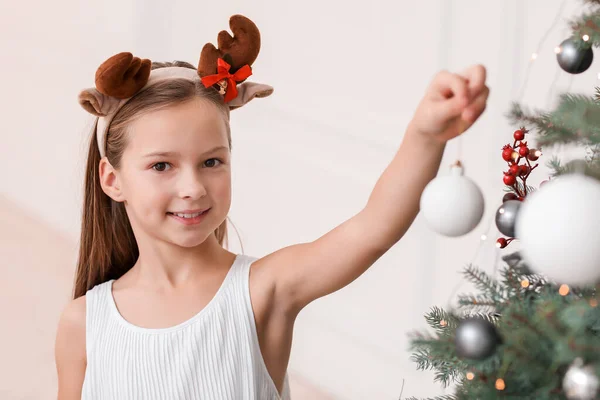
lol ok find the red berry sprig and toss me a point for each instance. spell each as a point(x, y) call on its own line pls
point(513, 155)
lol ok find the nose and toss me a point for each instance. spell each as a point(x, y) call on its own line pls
point(190, 185)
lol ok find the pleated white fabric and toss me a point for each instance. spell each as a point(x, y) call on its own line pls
point(214, 355)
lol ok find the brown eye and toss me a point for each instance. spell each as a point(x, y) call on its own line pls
point(211, 163)
point(160, 167)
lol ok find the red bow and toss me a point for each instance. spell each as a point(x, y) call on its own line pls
point(223, 73)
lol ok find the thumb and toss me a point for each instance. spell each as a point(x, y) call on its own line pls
point(474, 110)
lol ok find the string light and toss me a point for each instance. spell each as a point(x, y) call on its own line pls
point(563, 290)
point(585, 38)
point(470, 376)
point(525, 283)
point(443, 322)
point(557, 49)
point(500, 385)
point(594, 303)
point(483, 237)
point(557, 19)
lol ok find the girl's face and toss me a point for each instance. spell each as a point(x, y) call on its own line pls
point(177, 161)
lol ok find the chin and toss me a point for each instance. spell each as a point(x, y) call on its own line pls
point(192, 240)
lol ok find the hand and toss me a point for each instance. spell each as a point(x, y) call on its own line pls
point(452, 103)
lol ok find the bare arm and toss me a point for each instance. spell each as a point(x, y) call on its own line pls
point(304, 272)
point(70, 353)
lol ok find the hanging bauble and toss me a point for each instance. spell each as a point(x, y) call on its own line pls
point(509, 196)
point(579, 382)
point(476, 338)
point(452, 205)
point(558, 230)
point(574, 57)
point(506, 217)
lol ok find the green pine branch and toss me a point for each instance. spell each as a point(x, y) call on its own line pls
point(541, 122)
point(482, 303)
point(556, 166)
point(519, 188)
point(589, 166)
point(486, 284)
point(542, 332)
point(430, 355)
point(587, 24)
point(576, 120)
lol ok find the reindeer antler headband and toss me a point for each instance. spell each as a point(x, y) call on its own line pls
point(225, 68)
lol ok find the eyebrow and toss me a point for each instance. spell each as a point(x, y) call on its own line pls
point(174, 153)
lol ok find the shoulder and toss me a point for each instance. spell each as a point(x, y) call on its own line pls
point(74, 311)
point(71, 325)
point(70, 350)
point(70, 334)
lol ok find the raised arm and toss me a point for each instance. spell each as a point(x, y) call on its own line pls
point(304, 272)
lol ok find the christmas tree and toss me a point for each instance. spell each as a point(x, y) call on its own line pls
point(533, 331)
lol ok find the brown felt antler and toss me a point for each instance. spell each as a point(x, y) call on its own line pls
point(122, 75)
point(237, 51)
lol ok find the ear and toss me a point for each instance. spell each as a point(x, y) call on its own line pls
point(109, 181)
point(97, 103)
point(248, 91)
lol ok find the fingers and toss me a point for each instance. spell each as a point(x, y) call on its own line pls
point(451, 91)
point(475, 76)
point(458, 97)
point(449, 85)
point(477, 106)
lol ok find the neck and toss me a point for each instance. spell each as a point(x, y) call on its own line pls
point(168, 265)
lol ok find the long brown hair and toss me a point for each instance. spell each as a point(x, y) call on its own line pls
point(107, 246)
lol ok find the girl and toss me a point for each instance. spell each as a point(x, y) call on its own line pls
point(161, 309)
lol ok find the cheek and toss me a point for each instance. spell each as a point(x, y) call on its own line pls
point(147, 195)
point(221, 188)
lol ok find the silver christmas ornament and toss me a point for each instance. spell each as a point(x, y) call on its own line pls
point(506, 217)
point(476, 338)
point(579, 382)
point(572, 58)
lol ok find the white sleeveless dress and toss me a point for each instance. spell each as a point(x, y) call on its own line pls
point(214, 355)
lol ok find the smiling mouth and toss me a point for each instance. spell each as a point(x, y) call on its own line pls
point(188, 215)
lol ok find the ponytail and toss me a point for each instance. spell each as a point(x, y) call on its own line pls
point(107, 247)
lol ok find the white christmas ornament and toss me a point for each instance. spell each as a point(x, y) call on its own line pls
point(580, 382)
point(452, 205)
point(558, 230)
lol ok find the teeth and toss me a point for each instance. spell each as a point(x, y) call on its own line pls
point(187, 215)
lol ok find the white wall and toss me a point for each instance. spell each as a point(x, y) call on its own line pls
point(347, 77)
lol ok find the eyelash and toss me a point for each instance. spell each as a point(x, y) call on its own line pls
point(210, 159)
